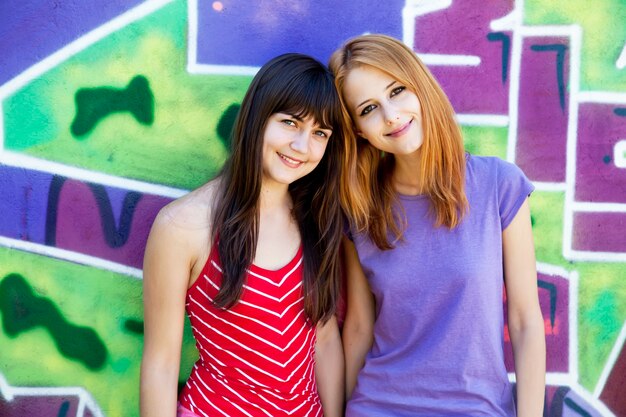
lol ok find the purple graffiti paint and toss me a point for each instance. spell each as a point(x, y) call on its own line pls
point(240, 33)
point(599, 232)
point(543, 108)
point(613, 393)
point(81, 225)
point(40, 406)
point(598, 179)
point(554, 302)
point(32, 30)
point(23, 201)
point(464, 29)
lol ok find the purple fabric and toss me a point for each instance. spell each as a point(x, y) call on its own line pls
point(438, 334)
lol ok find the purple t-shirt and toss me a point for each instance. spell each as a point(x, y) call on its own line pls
point(438, 336)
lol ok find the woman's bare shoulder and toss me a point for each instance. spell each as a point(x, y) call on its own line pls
point(193, 211)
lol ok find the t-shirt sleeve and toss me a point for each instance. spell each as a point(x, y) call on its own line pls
point(513, 189)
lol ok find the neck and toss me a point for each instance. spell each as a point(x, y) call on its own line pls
point(406, 177)
point(274, 196)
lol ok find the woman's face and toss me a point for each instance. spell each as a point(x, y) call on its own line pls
point(292, 147)
point(385, 112)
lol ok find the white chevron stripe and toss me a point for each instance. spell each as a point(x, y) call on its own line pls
point(308, 376)
point(282, 409)
point(310, 380)
point(279, 315)
point(222, 382)
point(241, 329)
point(310, 363)
point(208, 401)
point(257, 383)
point(282, 280)
point(268, 390)
point(264, 278)
point(267, 326)
point(249, 349)
point(260, 370)
point(209, 325)
point(301, 404)
point(194, 407)
point(225, 385)
point(272, 297)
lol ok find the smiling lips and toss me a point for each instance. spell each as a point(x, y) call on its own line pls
point(290, 162)
point(401, 130)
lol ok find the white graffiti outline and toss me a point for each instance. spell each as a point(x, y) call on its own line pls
point(516, 65)
point(15, 159)
point(18, 160)
point(596, 403)
point(621, 61)
point(85, 399)
point(23, 161)
point(574, 33)
point(415, 8)
point(619, 154)
point(71, 49)
point(68, 255)
point(571, 376)
point(494, 120)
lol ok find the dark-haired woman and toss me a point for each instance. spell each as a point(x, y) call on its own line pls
point(252, 256)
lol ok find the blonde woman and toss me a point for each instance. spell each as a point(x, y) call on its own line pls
point(436, 235)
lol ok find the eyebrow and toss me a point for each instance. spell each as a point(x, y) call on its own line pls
point(386, 88)
point(319, 125)
point(298, 118)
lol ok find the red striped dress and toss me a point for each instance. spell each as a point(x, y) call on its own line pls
point(257, 358)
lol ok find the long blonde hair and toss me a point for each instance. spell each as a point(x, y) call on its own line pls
point(367, 192)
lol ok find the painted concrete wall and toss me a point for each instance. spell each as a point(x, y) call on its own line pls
point(111, 109)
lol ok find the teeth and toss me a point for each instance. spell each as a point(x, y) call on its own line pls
point(291, 161)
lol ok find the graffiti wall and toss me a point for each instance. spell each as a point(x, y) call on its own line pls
point(108, 110)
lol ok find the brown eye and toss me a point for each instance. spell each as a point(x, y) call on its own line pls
point(397, 90)
point(367, 109)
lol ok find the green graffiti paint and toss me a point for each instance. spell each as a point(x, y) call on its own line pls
point(181, 148)
point(602, 24)
point(94, 104)
point(604, 315)
point(23, 310)
point(225, 125)
point(133, 326)
point(121, 365)
point(482, 140)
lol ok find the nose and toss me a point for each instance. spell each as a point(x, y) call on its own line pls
point(300, 142)
point(391, 115)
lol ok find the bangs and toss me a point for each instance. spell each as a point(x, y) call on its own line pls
point(311, 95)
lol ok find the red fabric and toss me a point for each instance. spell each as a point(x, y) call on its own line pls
point(257, 358)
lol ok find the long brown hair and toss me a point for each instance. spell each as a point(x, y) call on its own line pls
point(367, 192)
point(299, 85)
